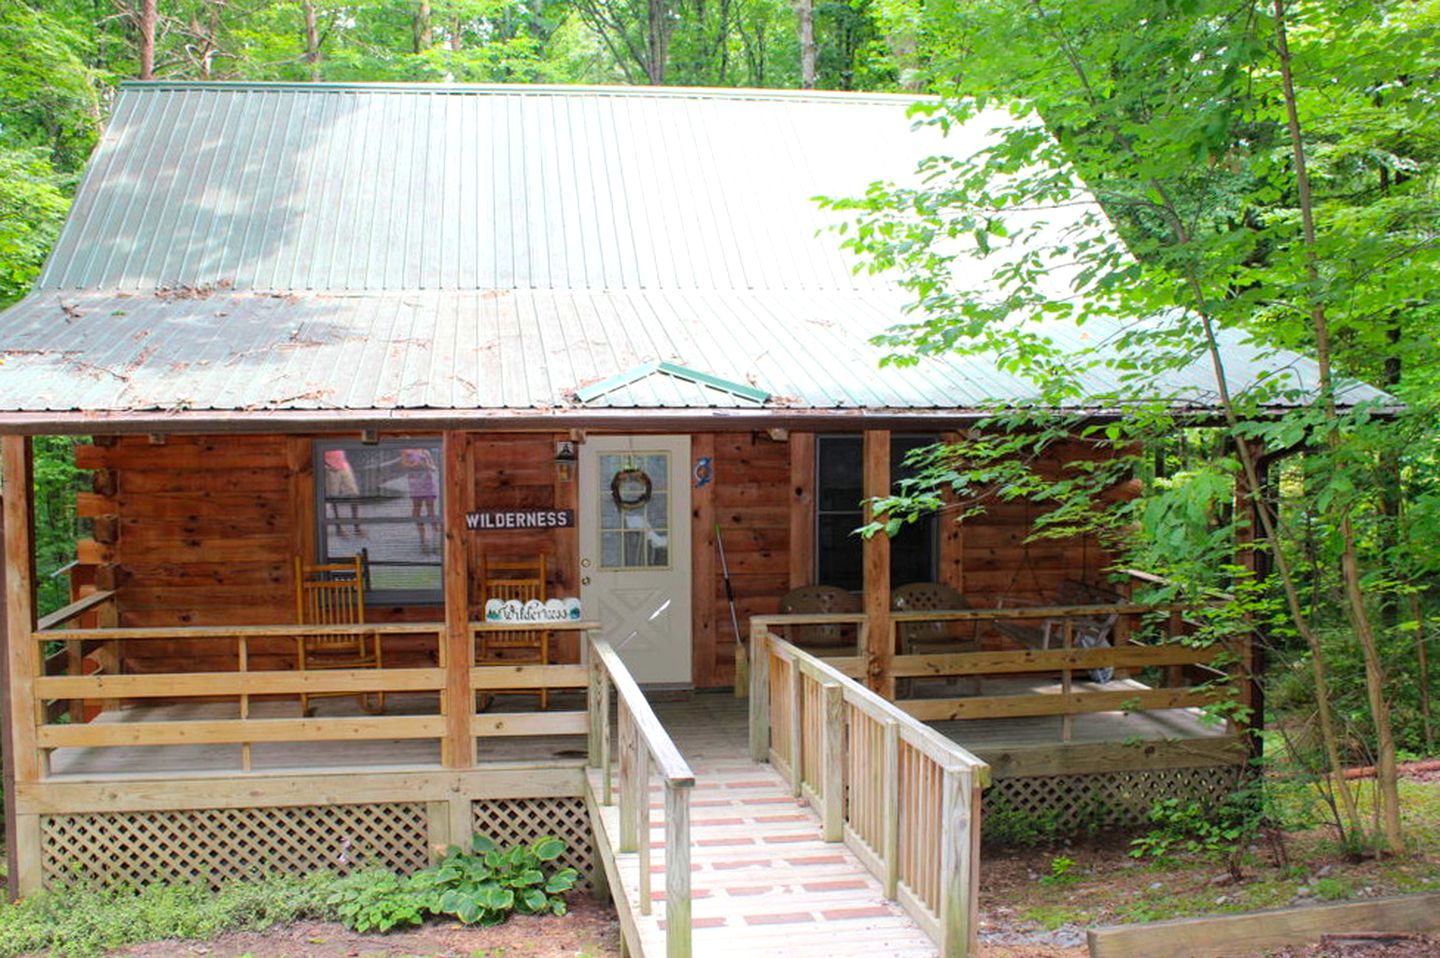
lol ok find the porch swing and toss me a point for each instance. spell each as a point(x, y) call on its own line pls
point(1087, 632)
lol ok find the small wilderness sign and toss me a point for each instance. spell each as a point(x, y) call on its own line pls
point(487, 520)
point(513, 610)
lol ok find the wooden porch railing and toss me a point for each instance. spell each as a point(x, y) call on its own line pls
point(61, 683)
point(240, 685)
point(69, 658)
point(905, 799)
point(644, 745)
point(1194, 675)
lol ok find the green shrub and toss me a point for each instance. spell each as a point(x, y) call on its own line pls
point(1218, 832)
point(1061, 872)
point(1007, 826)
point(487, 884)
point(481, 886)
point(377, 900)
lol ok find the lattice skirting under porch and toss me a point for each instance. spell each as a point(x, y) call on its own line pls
point(225, 844)
point(513, 820)
point(1107, 799)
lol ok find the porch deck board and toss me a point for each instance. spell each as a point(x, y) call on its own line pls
point(763, 881)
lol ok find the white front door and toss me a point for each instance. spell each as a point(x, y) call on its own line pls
point(635, 551)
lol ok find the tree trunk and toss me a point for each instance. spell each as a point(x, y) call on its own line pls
point(658, 42)
point(1386, 776)
point(312, 41)
point(424, 36)
point(805, 11)
point(146, 19)
point(455, 34)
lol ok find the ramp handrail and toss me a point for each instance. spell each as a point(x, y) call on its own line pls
point(903, 798)
point(644, 744)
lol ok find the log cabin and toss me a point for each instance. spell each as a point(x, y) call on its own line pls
point(484, 344)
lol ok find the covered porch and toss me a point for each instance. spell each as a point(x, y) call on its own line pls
point(162, 708)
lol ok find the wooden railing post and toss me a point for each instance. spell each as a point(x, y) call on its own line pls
point(956, 889)
point(833, 762)
point(1067, 721)
point(797, 728)
point(1175, 627)
point(641, 801)
point(594, 675)
point(677, 870)
point(629, 814)
point(890, 808)
point(759, 692)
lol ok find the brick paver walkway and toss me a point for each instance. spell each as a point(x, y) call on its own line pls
point(763, 880)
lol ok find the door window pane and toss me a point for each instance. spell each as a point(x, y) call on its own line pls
point(634, 510)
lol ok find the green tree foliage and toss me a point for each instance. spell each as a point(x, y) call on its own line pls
point(1178, 118)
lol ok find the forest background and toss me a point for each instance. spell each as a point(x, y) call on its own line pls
point(1269, 167)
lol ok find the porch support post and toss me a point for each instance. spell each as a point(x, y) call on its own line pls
point(458, 749)
point(879, 642)
point(7, 748)
point(708, 637)
point(802, 509)
point(22, 664)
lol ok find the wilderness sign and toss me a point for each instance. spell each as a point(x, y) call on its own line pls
point(489, 519)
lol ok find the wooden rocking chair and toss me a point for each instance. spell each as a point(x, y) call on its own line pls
point(334, 594)
point(521, 580)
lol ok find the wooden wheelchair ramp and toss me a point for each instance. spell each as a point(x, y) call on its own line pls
point(814, 818)
point(763, 879)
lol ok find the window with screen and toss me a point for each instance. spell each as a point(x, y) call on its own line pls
point(383, 500)
point(839, 487)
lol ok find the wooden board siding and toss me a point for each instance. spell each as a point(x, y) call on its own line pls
point(752, 501)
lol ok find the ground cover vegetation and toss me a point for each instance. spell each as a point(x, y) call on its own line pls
point(482, 885)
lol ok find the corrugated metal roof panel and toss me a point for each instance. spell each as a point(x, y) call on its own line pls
point(276, 187)
point(523, 349)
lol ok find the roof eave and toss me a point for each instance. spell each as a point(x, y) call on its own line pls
point(532, 420)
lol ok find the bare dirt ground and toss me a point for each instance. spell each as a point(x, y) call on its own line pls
point(1027, 913)
point(589, 930)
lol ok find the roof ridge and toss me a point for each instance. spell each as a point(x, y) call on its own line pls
point(536, 89)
